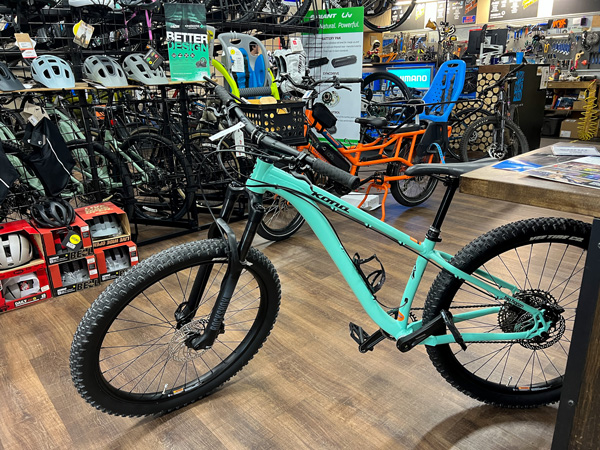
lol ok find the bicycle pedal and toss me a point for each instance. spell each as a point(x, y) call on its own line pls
point(365, 341)
point(449, 321)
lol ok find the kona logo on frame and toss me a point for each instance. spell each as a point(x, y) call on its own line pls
point(331, 202)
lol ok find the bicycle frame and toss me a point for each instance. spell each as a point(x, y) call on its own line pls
point(306, 201)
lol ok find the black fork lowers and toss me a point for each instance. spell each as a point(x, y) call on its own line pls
point(236, 254)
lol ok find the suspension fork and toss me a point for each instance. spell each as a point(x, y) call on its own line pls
point(236, 254)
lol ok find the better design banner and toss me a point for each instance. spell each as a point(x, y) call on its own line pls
point(187, 41)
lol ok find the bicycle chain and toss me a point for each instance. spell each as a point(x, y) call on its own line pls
point(476, 342)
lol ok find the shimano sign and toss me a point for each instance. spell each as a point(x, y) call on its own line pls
point(414, 77)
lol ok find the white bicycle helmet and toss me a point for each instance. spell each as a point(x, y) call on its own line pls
point(117, 259)
point(53, 72)
point(21, 286)
point(104, 70)
point(73, 272)
point(15, 250)
point(136, 68)
point(105, 226)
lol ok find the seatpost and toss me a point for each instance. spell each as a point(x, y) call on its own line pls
point(451, 184)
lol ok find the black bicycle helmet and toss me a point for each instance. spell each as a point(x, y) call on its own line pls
point(52, 213)
point(8, 82)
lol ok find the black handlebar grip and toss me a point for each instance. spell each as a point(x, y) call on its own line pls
point(255, 91)
point(223, 94)
point(330, 171)
point(350, 80)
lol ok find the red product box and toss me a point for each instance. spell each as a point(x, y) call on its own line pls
point(52, 239)
point(91, 215)
point(22, 226)
point(113, 260)
point(24, 285)
point(74, 275)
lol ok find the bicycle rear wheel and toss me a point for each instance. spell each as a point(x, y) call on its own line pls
point(482, 138)
point(281, 219)
point(129, 355)
point(544, 258)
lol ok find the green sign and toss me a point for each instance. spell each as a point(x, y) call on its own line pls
point(336, 21)
point(187, 41)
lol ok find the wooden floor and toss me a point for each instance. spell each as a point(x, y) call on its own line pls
point(308, 387)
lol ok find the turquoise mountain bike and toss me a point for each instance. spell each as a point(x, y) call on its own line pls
point(496, 323)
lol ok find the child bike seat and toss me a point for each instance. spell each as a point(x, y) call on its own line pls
point(255, 79)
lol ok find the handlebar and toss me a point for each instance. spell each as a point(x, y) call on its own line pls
point(334, 81)
point(263, 139)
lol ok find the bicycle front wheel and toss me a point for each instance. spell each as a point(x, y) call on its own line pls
point(162, 179)
point(485, 137)
point(129, 356)
point(544, 258)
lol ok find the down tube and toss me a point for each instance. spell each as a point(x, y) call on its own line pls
point(325, 233)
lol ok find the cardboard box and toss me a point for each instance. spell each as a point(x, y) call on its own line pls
point(32, 281)
point(55, 252)
point(579, 105)
point(568, 128)
point(88, 213)
point(108, 270)
point(59, 275)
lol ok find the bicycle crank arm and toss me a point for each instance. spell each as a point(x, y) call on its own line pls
point(436, 327)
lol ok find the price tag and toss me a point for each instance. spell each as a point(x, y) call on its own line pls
point(72, 241)
point(26, 45)
point(237, 60)
point(83, 34)
point(307, 94)
point(296, 45)
point(226, 132)
point(153, 58)
point(33, 114)
point(238, 137)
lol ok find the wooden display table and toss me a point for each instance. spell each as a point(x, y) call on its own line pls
point(577, 424)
